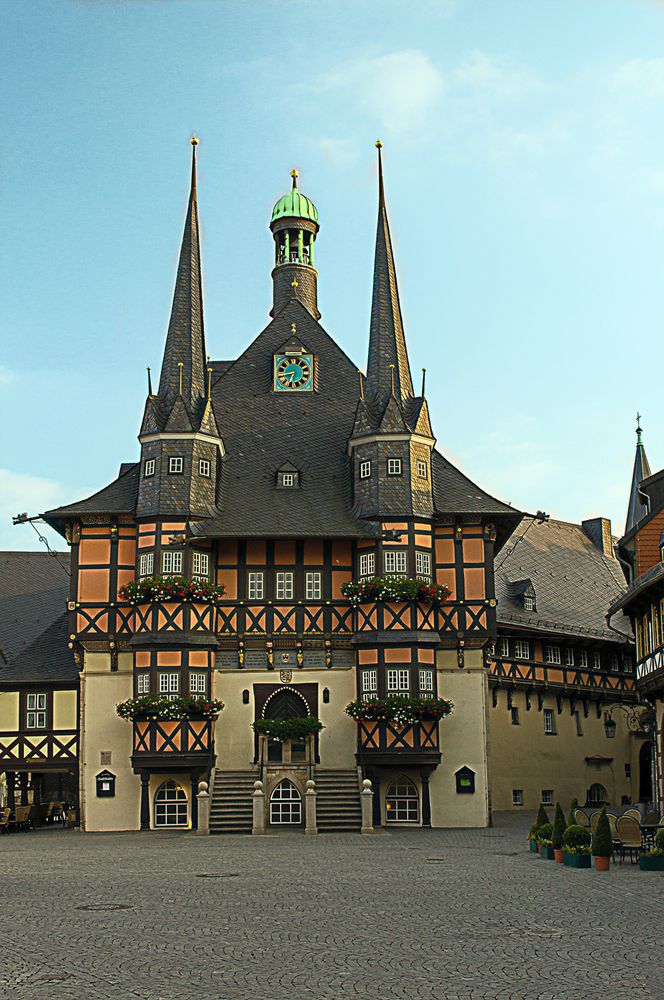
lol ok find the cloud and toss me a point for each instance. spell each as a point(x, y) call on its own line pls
point(486, 75)
point(7, 376)
point(643, 78)
point(399, 91)
point(338, 152)
point(18, 493)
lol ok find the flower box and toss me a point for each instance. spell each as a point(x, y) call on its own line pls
point(653, 863)
point(548, 853)
point(577, 860)
point(533, 846)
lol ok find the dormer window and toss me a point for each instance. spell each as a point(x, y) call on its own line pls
point(288, 478)
point(394, 466)
point(175, 464)
point(150, 466)
point(528, 602)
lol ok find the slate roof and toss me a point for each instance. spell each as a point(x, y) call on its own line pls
point(46, 659)
point(574, 582)
point(34, 588)
point(637, 508)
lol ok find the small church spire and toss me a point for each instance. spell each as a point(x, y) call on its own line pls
point(294, 175)
point(387, 342)
point(637, 508)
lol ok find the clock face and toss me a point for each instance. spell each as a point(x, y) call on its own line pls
point(293, 372)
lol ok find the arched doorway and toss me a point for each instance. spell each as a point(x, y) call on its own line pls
point(170, 806)
point(402, 801)
point(597, 795)
point(285, 805)
point(645, 772)
point(286, 703)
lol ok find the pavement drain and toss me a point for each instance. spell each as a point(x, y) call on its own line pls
point(219, 875)
point(433, 861)
point(104, 906)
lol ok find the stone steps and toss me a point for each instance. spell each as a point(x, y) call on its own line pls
point(231, 809)
point(338, 808)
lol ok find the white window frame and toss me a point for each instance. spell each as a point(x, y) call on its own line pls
point(423, 564)
point(547, 796)
point(365, 469)
point(169, 684)
point(528, 602)
point(425, 682)
point(521, 649)
point(597, 660)
point(517, 796)
point(150, 467)
point(369, 683)
point(143, 682)
point(313, 583)
point(284, 585)
point(569, 657)
point(175, 464)
point(552, 654)
point(256, 585)
point(146, 564)
point(200, 563)
point(198, 682)
point(503, 646)
point(288, 479)
point(395, 562)
point(36, 710)
point(549, 722)
point(583, 657)
point(394, 467)
point(368, 564)
point(171, 563)
point(204, 467)
point(398, 680)
point(422, 470)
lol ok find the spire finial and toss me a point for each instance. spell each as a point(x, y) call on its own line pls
point(639, 430)
point(294, 175)
point(361, 384)
point(381, 193)
point(180, 375)
point(209, 371)
point(392, 378)
point(194, 142)
point(424, 380)
point(149, 381)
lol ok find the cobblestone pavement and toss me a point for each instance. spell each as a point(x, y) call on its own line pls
point(407, 914)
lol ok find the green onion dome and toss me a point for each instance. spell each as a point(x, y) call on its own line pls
point(295, 205)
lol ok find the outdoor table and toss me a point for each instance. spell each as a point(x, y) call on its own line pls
point(648, 831)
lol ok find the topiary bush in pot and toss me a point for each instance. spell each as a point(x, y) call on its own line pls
point(653, 860)
point(544, 835)
point(559, 827)
point(576, 846)
point(602, 843)
point(571, 819)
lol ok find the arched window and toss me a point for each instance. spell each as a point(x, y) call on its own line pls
point(402, 802)
point(596, 796)
point(285, 805)
point(170, 805)
point(286, 704)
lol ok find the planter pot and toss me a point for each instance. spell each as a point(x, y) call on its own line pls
point(577, 860)
point(559, 856)
point(655, 864)
point(539, 849)
point(548, 853)
point(533, 846)
point(602, 864)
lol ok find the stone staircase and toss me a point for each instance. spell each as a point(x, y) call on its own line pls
point(231, 805)
point(338, 808)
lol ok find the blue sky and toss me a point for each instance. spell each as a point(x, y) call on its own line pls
point(524, 164)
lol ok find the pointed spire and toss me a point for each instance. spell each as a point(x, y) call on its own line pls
point(387, 342)
point(637, 506)
point(183, 367)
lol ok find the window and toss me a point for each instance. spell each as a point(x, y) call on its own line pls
point(552, 654)
point(201, 565)
point(204, 467)
point(514, 712)
point(284, 586)
point(528, 603)
point(287, 479)
point(583, 657)
point(369, 680)
point(398, 681)
point(36, 714)
point(569, 657)
point(169, 684)
point(256, 588)
point(365, 470)
point(143, 682)
point(627, 663)
point(171, 562)
point(615, 662)
point(285, 805)
point(367, 564)
point(170, 805)
point(146, 564)
point(549, 722)
point(425, 680)
point(313, 586)
point(597, 660)
point(517, 796)
point(422, 470)
point(402, 803)
point(547, 796)
point(522, 649)
point(503, 646)
point(597, 796)
point(197, 682)
point(423, 564)
point(149, 468)
point(175, 464)
point(394, 466)
point(395, 563)
point(577, 718)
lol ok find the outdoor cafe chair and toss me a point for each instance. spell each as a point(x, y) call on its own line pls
point(634, 813)
point(4, 819)
point(580, 818)
point(651, 818)
point(631, 840)
point(594, 820)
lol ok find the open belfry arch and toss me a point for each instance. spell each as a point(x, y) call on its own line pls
point(282, 476)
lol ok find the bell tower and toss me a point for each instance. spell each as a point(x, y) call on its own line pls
point(294, 226)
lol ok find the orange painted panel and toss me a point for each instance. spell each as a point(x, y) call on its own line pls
point(144, 529)
point(228, 580)
point(473, 550)
point(447, 578)
point(395, 526)
point(146, 542)
point(426, 656)
point(473, 582)
point(364, 543)
point(423, 541)
point(169, 658)
point(339, 577)
point(94, 532)
point(127, 531)
point(397, 655)
point(255, 552)
point(93, 584)
point(367, 656)
point(126, 552)
point(124, 576)
point(142, 658)
point(313, 552)
point(92, 551)
point(342, 554)
point(422, 527)
point(284, 552)
point(227, 552)
point(173, 526)
point(444, 550)
point(198, 658)
point(555, 676)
